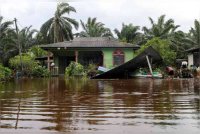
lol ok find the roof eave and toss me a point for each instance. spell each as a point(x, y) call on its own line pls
point(92, 47)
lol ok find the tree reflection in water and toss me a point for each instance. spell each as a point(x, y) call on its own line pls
point(104, 106)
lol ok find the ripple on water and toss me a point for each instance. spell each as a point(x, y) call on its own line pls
point(127, 106)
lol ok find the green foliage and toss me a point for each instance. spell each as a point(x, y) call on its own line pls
point(94, 29)
point(5, 40)
point(40, 71)
point(163, 47)
point(59, 27)
point(28, 63)
point(30, 66)
point(92, 70)
point(10, 40)
point(74, 69)
point(129, 33)
point(26, 38)
point(179, 45)
point(162, 28)
point(37, 51)
point(5, 72)
point(194, 35)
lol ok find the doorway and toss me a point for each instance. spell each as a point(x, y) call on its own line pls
point(64, 61)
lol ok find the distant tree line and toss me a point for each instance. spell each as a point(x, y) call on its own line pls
point(60, 28)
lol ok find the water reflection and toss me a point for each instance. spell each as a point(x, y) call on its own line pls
point(103, 106)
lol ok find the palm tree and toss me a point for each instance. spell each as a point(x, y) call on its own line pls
point(161, 29)
point(182, 41)
point(178, 43)
point(58, 28)
point(4, 27)
point(129, 33)
point(5, 39)
point(26, 40)
point(194, 35)
point(94, 29)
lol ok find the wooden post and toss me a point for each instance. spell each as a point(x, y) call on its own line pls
point(19, 45)
point(102, 59)
point(149, 64)
point(76, 56)
point(48, 61)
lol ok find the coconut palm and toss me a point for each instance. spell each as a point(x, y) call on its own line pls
point(94, 29)
point(59, 27)
point(194, 35)
point(182, 41)
point(5, 28)
point(161, 29)
point(129, 33)
point(178, 43)
point(25, 39)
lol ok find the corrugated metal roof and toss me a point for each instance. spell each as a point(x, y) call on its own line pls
point(194, 49)
point(123, 70)
point(91, 42)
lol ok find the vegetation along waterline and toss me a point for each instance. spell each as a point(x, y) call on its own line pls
point(100, 66)
point(20, 47)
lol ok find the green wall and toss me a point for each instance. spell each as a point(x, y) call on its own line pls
point(108, 56)
point(128, 54)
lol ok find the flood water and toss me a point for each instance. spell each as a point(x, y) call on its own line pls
point(81, 106)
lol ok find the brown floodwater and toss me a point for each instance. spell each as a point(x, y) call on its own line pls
point(82, 106)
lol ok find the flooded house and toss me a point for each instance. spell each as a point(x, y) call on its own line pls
point(193, 56)
point(102, 51)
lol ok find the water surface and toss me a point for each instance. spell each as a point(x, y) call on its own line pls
point(81, 106)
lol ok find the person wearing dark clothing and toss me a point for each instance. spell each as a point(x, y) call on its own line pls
point(170, 71)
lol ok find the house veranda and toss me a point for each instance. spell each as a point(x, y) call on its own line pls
point(102, 51)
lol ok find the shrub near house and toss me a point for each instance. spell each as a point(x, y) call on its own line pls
point(5, 73)
point(163, 47)
point(74, 69)
point(30, 66)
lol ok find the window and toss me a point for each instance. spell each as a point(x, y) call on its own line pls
point(118, 57)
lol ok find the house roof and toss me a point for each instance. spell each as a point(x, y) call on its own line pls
point(194, 49)
point(91, 42)
point(123, 70)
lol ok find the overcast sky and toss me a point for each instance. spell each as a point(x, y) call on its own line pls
point(111, 12)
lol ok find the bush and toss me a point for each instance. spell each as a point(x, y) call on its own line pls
point(40, 71)
point(92, 70)
point(74, 69)
point(5, 73)
point(30, 66)
point(28, 63)
point(163, 47)
point(38, 52)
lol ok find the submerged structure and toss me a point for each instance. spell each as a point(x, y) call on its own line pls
point(148, 57)
point(102, 51)
point(193, 56)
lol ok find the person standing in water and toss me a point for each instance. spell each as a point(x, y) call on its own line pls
point(170, 71)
